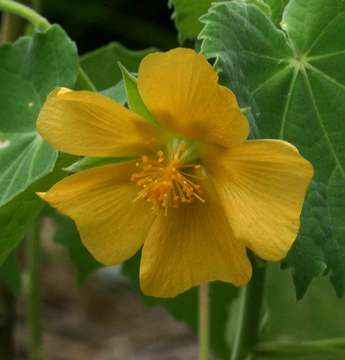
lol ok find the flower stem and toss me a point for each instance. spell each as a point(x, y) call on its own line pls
point(251, 300)
point(34, 293)
point(203, 322)
point(25, 12)
point(7, 322)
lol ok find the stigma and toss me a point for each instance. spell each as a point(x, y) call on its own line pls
point(167, 181)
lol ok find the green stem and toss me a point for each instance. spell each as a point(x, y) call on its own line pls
point(203, 322)
point(25, 12)
point(34, 292)
point(7, 321)
point(251, 300)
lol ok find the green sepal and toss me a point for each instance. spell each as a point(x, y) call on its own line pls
point(135, 102)
point(90, 162)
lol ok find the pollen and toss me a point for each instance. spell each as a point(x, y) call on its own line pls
point(168, 182)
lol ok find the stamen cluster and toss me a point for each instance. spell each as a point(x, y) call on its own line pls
point(168, 182)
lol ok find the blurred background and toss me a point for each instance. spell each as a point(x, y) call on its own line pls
point(91, 23)
point(135, 24)
point(106, 318)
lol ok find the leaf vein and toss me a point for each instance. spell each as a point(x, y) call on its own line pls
point(267, 81)
point(321, 123)
point(321, 34)
point(288, 101)
point(325, 56)
point(325, 76)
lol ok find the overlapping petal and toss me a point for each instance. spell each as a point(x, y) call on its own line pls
point(101, 202)
point(89, 124)
point(262, 185)
point(191, 245)
point(180, 88)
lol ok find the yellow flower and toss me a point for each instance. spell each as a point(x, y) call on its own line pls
point(198, 193)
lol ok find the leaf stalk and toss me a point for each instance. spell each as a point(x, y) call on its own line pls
point(25, 12)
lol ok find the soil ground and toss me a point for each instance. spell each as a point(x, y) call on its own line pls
point(99, 323)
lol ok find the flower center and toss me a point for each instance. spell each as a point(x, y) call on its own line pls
point(168, 182)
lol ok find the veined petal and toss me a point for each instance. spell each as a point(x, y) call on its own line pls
point(191, 245)
point(181, 89)
point(89, 124)
point(101, 202)
point(262, 185)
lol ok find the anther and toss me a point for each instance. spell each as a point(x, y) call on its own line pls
point(167, 182)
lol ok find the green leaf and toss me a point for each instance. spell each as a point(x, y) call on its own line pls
point(309, 260)
point(20, 212)
point(29, 69)
point(68, 236)
point(335, 251)
point(101, 65)
point(318, 316)
point(185, 307)
point(117, 93)
point(10, 274)
point(187, 14)
point(277, 9)
point(135, 102)
point(261, 4)
point(15, 217)
point(294, 82)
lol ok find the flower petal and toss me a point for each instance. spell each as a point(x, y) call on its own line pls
point(262, 184)
point(180, 88)
point(89, 124)
point(100, 201)
point(191, 245)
